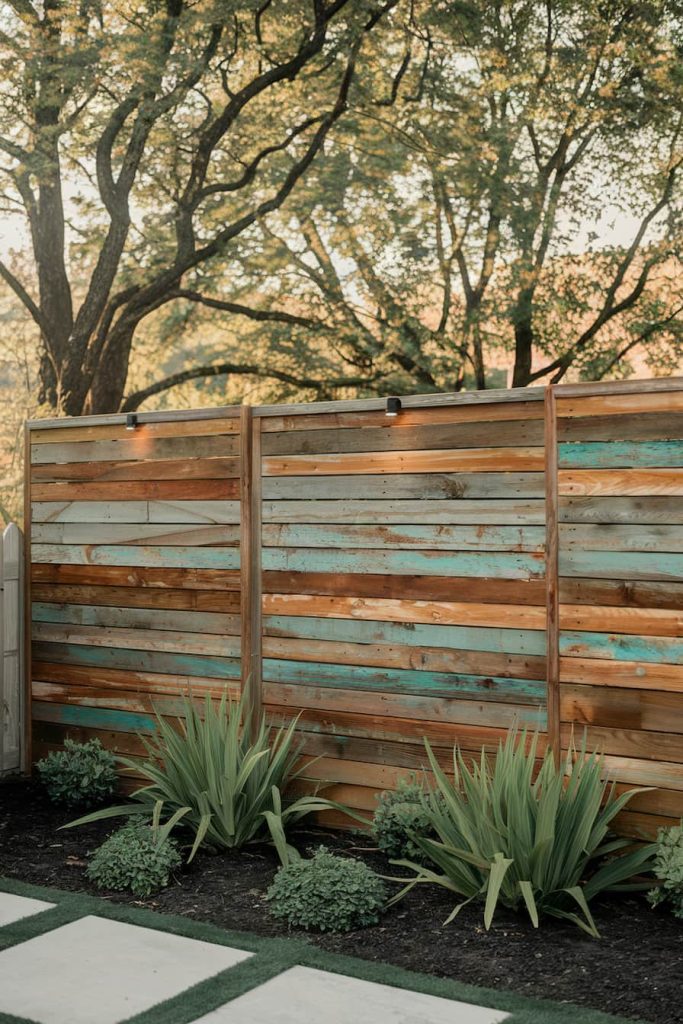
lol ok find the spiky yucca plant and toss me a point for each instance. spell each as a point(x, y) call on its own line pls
point(219, 779)
point(504, 837)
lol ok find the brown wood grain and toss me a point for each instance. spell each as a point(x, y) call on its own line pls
point(646, 397)
point(135, 490)
point(164, 469)
point(639, 426)
point(633, 674)
point(638, 743)
point(481, 460)
point(638, 621)
point(622, 708)
point(578, 482)
point(621, 593)
point(134, 597)
point(137, 576)
point(410, 417)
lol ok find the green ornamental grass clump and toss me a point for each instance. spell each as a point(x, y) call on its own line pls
point(540, 842)
point(80, 775)
point(668, 868)
point(136, 857)
point(400, 817)
point(327, 893)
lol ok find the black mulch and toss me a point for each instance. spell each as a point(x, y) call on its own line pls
point(635, 969)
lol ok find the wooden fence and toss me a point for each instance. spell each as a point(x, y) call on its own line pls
point(479, 560)
point(12, 682)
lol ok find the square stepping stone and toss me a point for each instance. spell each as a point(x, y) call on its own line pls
point(304, 995)
point(96, 971)
point(13, 908)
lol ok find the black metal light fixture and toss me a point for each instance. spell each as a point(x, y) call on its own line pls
point(131, 421)
point(393, 406)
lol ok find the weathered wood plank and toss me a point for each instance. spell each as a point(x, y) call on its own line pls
point(613, 537)
point(137, 490)
point(137, 576)
point(145, 639)
point(638, 743)
point(429, 659)
point(137, 447)
point(471, 638)
point(482, 460)
point(164, 662)
point(619, 481)
point(641, 772)
point(135, 533)
point(508, 565)
point(388, 610)
point(138, 597)
point(622, 593)
point(452, 685)
point(420, 588)
point(187, 512)
point(410, 417)
point(402, 437)
point(622, 565)
point(93, 718)
point(166, 469)
point(637, 674)
point(118, 432)
point(646, 399)
point(443, 537)
point(618, 647)
point(625, 454)
point(138, 618)
point(449, 512)
point(638, 509)
point(405, 487)
point(643, 426)
point(130, 555)
point(622, 708)
point(79, 677)
point(643, 621)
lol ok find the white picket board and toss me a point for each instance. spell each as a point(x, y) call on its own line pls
point(11, 649)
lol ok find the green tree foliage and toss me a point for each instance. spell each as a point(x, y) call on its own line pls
point(139, 141)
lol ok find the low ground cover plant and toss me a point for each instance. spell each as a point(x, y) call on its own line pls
point(400, 815)
point(221, 780)
point(138, 857)
point(327, 893)
point(668, 869)
point(540, 843)
point(80, 775)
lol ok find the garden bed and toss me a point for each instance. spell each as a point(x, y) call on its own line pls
point(634, 970)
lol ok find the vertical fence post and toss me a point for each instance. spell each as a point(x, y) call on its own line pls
point(11, 653)
point(552, 575)
point(250, 559)
point(27, 648)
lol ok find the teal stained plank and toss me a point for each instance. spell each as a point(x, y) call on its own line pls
point(435, 537)
point(416, 634)
point(615, 454)
point(137, 661)
point(619, 647)
point(434, 684)
point(93, 718)
point(134, 555)
point(136, 618)
point(622, 565)
point(505, 565)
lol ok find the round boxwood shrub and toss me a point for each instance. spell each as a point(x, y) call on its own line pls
point(134, 858)
point(327, 893)
point(80, 775)
point(399, 816)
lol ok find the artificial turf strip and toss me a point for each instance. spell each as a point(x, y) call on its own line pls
point(272, 957)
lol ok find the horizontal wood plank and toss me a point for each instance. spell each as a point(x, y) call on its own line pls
point(527, 459)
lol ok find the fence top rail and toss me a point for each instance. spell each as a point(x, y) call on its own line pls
point(434, 400)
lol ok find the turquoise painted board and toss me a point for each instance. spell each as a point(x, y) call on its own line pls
point(467, 638)
point(505, 565)
point(436, 537)
point(619, 647)
point(435, 684)
point(613, 454)
point(115, 554)
point(136, 618)
point(137, 661)
point(93, 718)
point(622, 565)
point(445, 512)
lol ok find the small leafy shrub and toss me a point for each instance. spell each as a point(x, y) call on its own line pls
point(80, 775)
point(219, 779)
point(327, 893)
point(668, 868)
point(399, 817)
point(137, 857)
point(542, 844)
